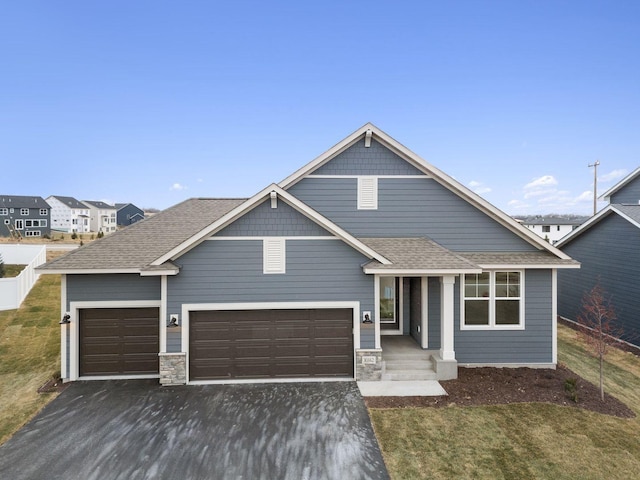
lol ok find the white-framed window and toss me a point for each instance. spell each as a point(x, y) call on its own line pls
point(4, 211)
point(24, 211)
point(32, 233)
point(367, 193)
point(7, 221)
point(274, 255)
point(35, 223)
point(19, 224)
point(493, 299)
point(546, 228)
point(389, 301)
point(43, 211)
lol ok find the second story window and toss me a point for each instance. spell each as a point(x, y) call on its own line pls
point(24, 211)
point(43, 211)
point(4, 211)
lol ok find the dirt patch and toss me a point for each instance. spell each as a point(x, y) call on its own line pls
point(53, 385)
point(499, 386)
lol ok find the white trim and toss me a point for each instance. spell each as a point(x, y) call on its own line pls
point(256, 200)
point(163, 314)
point(541, 266)
point(447, 317)
point(619, 185)
point(74, 311)
point(240, 381)
point(424, 321)
point(554, 315)
point(376, 310)
point(93, 271)
point(586, 225)
point(422, 175)
point(198, 307)
point(418, 272)
point(367, 193)
point(63, 327)
point(117, 377)
point(262, 237)
point(492, 301)
point(400, 300)
point(508, 365)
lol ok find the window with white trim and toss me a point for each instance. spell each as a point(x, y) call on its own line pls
point(7, 221)
point(43, 211)
point(274, 255)
point(367, 193)
point(32, 233)
point(493, 300)
point(24, 211)
point(19, 224)
point(4, 211)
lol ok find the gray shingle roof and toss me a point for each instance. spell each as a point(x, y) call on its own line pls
point(517, 258)
point(136, 246)
point(22, 201)
point(99, 204)
point(415, 254)
point(70, 202)
point(631, 211)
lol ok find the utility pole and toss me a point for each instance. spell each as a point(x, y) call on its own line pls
point(595, 184)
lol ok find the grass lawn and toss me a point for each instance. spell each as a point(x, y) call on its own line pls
point(29, 354)
point(520, 441)
point(12, 270)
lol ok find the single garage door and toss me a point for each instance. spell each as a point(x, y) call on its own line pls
point(119, 341)
point(270, 344)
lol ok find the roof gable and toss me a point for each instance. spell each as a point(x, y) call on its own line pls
point(370, 133)
point(631, 213)
point(621, 184)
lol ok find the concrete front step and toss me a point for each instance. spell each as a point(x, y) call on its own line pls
point(418, 356)
point(408, 375)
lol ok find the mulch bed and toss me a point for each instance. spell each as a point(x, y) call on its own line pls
point(499, 386)
point(53, 385)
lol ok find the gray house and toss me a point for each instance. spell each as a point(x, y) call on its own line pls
point(127, 214)
point(608, 247)
point(366, 263)
point(24, 216)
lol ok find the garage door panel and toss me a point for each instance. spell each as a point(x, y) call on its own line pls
point(119, 341)
point(271, 343)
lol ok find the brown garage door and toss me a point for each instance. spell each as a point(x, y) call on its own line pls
point(270, 344)
point(119, 341)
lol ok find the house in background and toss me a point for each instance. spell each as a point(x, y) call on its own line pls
point(68, 214)
point(552, 227)
point(24, 216)
point(102, 216)
point(127, 214)
point(608, 247)
point(366, 263)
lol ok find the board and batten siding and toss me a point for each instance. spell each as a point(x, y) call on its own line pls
point(112, 287)
point(629, 194)
point(361, 160)
point(531, 345)
point(409, 207)
point(266, 221)
point(609, 253)
point(231, 271)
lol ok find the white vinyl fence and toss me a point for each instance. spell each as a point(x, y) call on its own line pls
point(14, 290)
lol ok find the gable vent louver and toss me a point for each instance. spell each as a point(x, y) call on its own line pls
point(274, 255)
point(367, 193)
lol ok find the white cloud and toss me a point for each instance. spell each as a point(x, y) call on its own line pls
point(587, 195)
point(544, 181)
point(178, 187)
point(613, 175)
point(479, 187)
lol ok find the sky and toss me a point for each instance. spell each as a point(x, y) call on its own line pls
point(154, 102)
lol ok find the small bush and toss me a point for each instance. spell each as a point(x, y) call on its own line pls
point(571, 387)
point(74, 235)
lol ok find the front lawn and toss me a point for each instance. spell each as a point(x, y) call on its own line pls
point(527, 440)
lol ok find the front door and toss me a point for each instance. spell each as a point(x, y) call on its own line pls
point(390, 312)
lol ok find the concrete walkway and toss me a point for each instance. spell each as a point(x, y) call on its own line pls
point(107, 430)
point(414, 388)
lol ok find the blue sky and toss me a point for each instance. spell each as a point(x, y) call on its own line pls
point(155, 102)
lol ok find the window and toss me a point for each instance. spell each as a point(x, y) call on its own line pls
point(546, 229)
point(19, 224)
point(4, 211)
point(7, 222)
point(388, 299)
point(34, 233)
point(24, 211)
point(558, 228)
point(367, 193)
point(35, 223)
point(274, 255)
point(493, 300)
point(43, 211)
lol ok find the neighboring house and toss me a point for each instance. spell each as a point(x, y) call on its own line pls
point(128, 213)
point(608, 247)
point(102, 216)
point(68, 214)
point(319, 276)
point(552, 227)
point(24, 216)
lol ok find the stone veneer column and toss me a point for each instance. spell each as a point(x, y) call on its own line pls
point(173, 368)
point(368, 365)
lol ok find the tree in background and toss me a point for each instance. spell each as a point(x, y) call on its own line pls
point(598, 327)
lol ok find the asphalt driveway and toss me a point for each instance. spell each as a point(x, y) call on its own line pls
point(139, 430)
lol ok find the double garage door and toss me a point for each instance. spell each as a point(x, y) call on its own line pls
point(119, 341)
point(270, 344)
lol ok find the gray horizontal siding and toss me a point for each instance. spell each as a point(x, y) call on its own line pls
point(374, 160)
point(266, 221)
point(231, 272)
point(112, 287)
point(609, 252)
point(531, 345)
point(630, 193)
point(409, 207)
